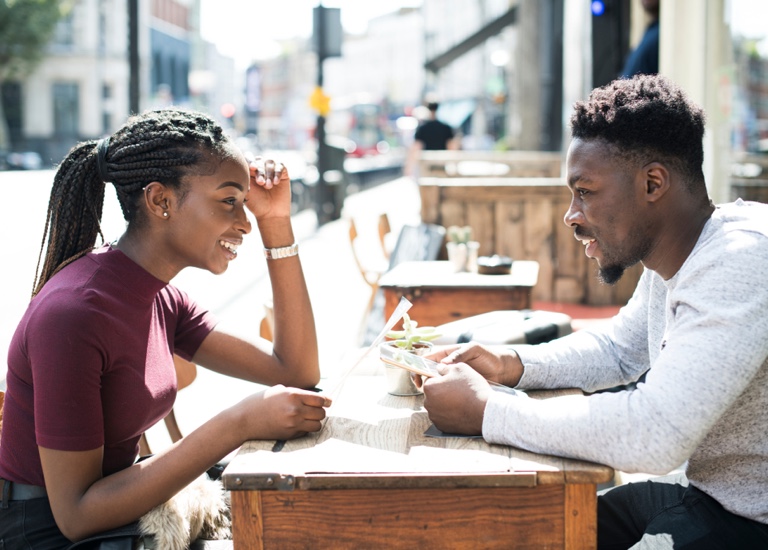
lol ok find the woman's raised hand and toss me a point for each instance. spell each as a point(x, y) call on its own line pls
point(270, 191)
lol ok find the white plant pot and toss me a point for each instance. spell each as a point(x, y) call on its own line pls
point(463, 256)
point(457, 255)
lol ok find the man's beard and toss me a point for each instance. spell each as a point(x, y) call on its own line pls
point(612, 272)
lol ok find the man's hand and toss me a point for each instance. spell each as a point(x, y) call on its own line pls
point(504, 368)
point(456, 400)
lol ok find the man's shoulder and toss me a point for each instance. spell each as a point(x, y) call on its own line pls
point(734, 242)
point(742, 216)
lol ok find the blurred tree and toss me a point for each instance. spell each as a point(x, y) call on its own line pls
point(26, 28)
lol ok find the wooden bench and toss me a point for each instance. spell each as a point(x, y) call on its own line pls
point(449, 164)
point(749, 178)
point(523, 218)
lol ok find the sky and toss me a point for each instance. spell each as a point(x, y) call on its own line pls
point(247, 29)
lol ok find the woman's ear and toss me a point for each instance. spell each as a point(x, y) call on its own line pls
point(657, 182)
point(157, 198)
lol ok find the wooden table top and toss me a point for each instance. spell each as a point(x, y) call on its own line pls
point(372, 439)
point(440, 274)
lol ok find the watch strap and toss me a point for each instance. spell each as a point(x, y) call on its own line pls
point(281, 252)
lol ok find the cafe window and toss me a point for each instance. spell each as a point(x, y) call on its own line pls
point(749, 38)
point(64, 35)
point(66, 109)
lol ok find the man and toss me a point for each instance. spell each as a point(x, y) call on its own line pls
point(696, 327)
point(644, 59)
point(432, 135)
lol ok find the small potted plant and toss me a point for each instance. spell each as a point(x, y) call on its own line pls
point(411, 339)
point(462, 250)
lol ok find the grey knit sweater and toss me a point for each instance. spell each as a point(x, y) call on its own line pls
point(703, 338)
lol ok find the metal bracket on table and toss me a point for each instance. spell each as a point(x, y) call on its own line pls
point(278, 482)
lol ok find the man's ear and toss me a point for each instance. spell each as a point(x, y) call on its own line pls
point(157, 198)
point(656, 179)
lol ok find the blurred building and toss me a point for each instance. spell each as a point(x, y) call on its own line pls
point(81, 88)
point(283, 118)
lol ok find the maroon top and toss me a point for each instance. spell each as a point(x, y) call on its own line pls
point(91, 363)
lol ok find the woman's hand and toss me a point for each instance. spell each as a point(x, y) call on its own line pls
point(283, 413)
point(502, 368)
point(270, 192)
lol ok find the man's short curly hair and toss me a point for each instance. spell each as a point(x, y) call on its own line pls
point(646, 118)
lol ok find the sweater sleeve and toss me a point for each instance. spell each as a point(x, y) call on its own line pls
point(706, 341)
point(593, 359)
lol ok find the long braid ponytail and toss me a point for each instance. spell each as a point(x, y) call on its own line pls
point(163, 146)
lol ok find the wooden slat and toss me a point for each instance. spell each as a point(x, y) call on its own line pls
point(510, 229)
point(480, 219)
point(430, 201)
point(247, 515)
point(539, 242)
point(452, 212)
point(406, 519)
point(580, 517)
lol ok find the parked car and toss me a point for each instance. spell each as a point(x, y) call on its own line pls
point(26, 160)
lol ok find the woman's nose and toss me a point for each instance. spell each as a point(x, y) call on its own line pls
point(242, 222)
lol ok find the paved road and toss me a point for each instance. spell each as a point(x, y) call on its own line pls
point(338, 292)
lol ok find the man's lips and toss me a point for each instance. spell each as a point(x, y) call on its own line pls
point(590, 244)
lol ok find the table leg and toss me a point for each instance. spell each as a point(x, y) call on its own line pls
point(247, 525)
point(580, 516)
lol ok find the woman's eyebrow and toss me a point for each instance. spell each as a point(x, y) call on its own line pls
point(231, 184)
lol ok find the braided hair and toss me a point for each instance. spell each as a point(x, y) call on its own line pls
point(163, 145)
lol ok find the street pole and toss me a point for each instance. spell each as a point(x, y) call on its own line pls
point(133, 56)
point(321, 197)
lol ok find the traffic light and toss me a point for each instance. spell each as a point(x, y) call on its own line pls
point(610, 39)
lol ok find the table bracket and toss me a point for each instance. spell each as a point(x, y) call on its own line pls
point(279, 482)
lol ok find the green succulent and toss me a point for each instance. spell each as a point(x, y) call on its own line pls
point(412, 334)
point(459, 235)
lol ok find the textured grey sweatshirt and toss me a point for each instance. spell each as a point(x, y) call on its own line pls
point(703, 338)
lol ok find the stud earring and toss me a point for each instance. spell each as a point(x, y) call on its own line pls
point(165, 214)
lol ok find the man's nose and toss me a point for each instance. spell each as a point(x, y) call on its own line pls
point(573, 216)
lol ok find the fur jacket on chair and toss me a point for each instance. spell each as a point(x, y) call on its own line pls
point(199, 511)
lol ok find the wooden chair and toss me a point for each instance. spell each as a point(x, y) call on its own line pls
point(370, 270)
point(186, 372)
point(267, 326)
point(385, 231)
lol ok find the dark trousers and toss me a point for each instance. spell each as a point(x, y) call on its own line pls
point(663, 515)
point(29, 525)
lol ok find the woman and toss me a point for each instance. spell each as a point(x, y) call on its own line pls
point(91, 363)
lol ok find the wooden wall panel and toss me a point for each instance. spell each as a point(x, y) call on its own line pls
point(523, 218)
point(480, 219)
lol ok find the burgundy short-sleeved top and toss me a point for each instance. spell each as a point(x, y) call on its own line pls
point(91, 363)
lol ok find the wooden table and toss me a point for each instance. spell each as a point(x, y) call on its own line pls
point(440, 295)
point(371, 479)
